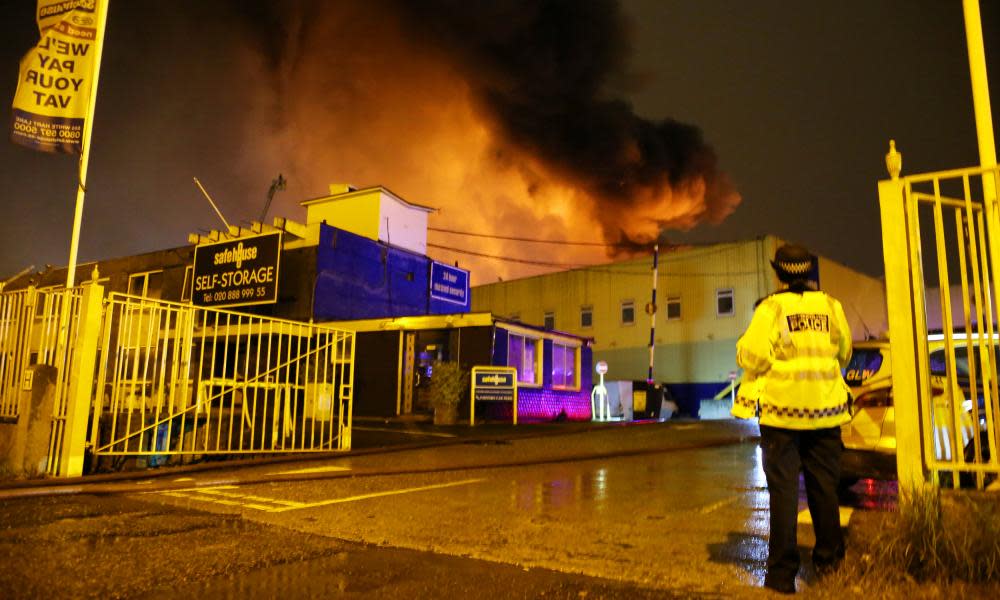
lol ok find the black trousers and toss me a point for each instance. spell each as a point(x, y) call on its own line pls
point(816, 453)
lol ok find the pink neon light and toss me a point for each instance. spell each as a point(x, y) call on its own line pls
point(542, 405)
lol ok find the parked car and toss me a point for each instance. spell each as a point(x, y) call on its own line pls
point(870, 437)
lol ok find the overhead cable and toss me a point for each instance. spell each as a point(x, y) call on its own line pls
point(534, 240)
point(509, 259)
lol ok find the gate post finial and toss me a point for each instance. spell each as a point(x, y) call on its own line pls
point(893, 160)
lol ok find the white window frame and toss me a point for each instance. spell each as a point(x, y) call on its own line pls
point(536, 381)
point(721, 293)
point(621, 312)
point(145, 282)
point(575, 350)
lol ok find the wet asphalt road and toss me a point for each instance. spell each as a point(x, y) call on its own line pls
point(659, 510)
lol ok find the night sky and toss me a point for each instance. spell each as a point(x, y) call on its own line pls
point(770, 116)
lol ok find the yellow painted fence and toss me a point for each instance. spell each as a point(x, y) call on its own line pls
point(143, 377)
point(940, 233)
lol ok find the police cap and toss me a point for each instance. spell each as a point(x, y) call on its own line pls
point(793, 262)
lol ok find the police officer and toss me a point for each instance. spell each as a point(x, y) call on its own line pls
point(794, 349)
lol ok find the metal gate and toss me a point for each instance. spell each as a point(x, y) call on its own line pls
point(31, 322)
point(180, 380)
point(941, 242)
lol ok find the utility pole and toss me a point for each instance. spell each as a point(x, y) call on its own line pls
point(651, 309)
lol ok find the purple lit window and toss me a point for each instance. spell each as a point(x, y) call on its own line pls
point(563, 366)
point(522, 353)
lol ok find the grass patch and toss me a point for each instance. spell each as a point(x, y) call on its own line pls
point(937, 544)
point(943, 538)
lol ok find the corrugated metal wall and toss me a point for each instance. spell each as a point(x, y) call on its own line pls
point(697, 347)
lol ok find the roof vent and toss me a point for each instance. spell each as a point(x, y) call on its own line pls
point(341, 188)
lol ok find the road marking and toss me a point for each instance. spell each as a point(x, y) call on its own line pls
point(404, 431)
point(717, 505)
point(436, 486)
point(222, 495)
point(845, 516)
point(312, 470)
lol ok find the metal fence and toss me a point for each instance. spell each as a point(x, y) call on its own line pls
point(178, 380)
point(952, 238)
point(30, 324)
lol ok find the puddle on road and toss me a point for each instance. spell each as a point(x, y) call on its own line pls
point(569, 489)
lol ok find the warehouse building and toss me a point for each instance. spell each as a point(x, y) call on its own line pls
point(705, 299)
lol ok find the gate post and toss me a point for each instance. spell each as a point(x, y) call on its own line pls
point(899, 303)
point(81, 381)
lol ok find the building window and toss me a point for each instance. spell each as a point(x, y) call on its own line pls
point(628, 312)
point(673, 308)
point(524, 354)
point(564, 366)
point(549, 320)
point(724, 303)
point(586, 317)
point(147, 285)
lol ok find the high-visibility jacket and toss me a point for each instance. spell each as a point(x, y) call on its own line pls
point(795, 347)
point(747, 396)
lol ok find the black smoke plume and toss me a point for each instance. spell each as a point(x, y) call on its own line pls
point(541, 72)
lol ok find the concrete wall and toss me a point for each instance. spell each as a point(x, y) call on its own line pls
point(24, 442)
point(374, 213)
point(862, 296)
point(402, 225)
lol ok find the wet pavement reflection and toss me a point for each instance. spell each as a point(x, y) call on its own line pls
point(872, 494)
point(718, 484)
point(558, 492)
point(690, 520)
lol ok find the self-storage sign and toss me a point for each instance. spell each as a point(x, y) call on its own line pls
point(494, 384)
point(237, 272)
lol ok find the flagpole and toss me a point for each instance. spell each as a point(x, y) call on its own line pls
point(88, 128)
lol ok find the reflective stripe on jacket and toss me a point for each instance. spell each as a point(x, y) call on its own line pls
point(796, 346)
point(747, 396)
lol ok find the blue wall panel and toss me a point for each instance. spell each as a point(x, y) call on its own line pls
point(500, 346)
point(358, 278)
point(586, 368)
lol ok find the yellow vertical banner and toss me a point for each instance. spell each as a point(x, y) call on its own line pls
point(56, 77)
